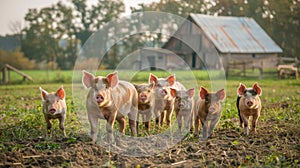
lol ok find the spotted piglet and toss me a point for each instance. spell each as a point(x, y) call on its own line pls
point(249, 104)
point(54, 107)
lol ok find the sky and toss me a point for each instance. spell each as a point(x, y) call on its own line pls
point(12, 11)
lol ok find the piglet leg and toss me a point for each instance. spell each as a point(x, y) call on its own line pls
point(61, 126)
point(254, 123)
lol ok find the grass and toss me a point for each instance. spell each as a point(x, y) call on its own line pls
point(21, 117)
point(66, 76)
point(23, 101)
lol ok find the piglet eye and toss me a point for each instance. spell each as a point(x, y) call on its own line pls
point(253, 93)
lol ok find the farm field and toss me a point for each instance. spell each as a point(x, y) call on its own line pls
point(276, 144)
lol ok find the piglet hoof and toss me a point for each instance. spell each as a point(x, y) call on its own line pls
point(253, 131)
point(196, 135)
point(202, 139)
point(65, 135)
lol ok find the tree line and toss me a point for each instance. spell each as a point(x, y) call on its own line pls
point(55, 34)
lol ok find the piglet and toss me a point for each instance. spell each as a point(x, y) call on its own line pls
point(162, 89)
point(111, 99)
point(146, 102)
point(54, 107)
point(249, 104)
point(208, 110)
point(183, 107)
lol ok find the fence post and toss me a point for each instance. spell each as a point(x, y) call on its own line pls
point(4, 74)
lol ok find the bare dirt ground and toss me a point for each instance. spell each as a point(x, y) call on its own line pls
point(274, 144)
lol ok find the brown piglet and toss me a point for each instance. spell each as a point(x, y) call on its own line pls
point(111, 99)
point(54, 107)
point(146, 102)
point(183, 107)
point(208, 110)
point(249, 104)
point(162, 90)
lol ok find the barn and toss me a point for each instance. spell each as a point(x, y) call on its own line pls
point(216, 42)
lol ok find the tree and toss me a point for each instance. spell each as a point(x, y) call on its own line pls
point(55, 33)
point(92, 19)
point(41, 38)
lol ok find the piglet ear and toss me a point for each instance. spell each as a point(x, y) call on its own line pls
point(151, 86)
point(191, 92)
point(136, 86)
point(257, 89)
point(203, 92)
point(173, 92)
point(241, 89)
point(152, 78)
point(221, 94)
point(87, 79)
point(60, 93)
point(44, 93)
point(112, 79)
point(171, 79)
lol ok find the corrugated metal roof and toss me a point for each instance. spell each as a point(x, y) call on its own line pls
point(236, 34)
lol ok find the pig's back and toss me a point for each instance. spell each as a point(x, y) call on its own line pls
point(179, 86)
point(126, 91)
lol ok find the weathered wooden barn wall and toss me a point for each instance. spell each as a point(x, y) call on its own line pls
point(212, 42)
point(153, 59)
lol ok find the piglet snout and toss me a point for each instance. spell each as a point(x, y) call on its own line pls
point(249, 103)
point(164, 92)
point(52, 110)
point(99, 98)
point(181, 105)
point(212, 109)
point(143, 97)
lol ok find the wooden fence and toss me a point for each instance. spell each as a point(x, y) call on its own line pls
point(6, 73)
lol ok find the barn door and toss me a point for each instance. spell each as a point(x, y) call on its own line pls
point(194, 56)
point(151, 60)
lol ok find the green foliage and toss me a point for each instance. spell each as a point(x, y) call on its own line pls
point(52, 35)
point(47, 146)
point(15, 59)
